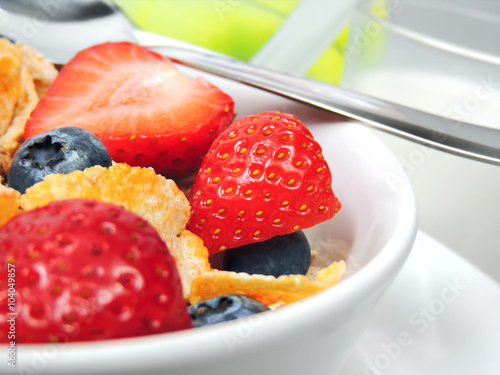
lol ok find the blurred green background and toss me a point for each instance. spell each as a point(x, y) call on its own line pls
point(238, 28)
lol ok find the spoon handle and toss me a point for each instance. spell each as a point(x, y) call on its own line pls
point(449, 135)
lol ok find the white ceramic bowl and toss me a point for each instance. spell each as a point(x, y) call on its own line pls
point(378, 221)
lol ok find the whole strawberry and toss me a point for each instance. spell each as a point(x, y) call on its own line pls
point(145, 111)
point(264, 176)
point(86, 270)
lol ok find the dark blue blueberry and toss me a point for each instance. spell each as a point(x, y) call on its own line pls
point(288, 254)
point(61, 150)
point(224, 308)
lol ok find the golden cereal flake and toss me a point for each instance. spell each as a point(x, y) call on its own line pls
point(42, 71)
point(5, 163)
point(10, 83)
point(191, 257)
point(137, 189)
point(9, 203)
point(270, 290)
point(12, 138)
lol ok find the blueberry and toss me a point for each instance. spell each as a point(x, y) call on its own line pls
point(61, 150)
point(288, 254)
point(224, 308)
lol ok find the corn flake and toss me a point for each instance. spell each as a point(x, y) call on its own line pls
point(10, 83)
point(191, 257)
point(9, 203)
point(27, 101)
point(42, 72)
point(5, 163)
point(270, 290)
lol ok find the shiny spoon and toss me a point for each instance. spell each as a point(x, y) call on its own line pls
point(58, 29)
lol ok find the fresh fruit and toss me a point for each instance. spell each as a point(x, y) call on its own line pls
point(224, 308)
point(88, 270)
point(145, 111)
point(287, 254)
point(61, 150)
point(264, 176)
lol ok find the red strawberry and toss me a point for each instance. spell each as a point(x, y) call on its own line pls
point(143, 109)
point(87, 270)
point(264, 176)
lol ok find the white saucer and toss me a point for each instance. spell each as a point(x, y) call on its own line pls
point(440, 316)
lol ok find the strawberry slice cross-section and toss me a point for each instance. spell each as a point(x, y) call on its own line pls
point(145, 111)
point(264, 176)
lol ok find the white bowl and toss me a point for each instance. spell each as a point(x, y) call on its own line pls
point(378, 221)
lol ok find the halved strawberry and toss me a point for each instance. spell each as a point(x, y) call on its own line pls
point(264, 176)
point(87, 270)
point(143, 109)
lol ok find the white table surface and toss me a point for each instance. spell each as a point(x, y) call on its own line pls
point(440, 316)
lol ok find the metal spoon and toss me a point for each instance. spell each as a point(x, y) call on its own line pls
point(58, 29)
